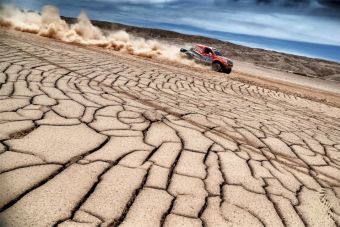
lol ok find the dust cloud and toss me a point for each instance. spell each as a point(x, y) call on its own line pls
point(48, 23)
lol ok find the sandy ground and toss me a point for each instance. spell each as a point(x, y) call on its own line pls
point(90, 137)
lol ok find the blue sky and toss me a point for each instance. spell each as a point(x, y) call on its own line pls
point(283, 25)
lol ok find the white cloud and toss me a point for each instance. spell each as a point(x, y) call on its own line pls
point(304, 28)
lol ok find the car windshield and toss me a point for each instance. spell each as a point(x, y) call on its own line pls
point(217, 53)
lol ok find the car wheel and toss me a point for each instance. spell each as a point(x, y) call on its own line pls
point(227, 71)
point(216, 66)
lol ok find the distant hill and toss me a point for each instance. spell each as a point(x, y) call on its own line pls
point(281, 61)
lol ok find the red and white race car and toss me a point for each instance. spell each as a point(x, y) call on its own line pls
point(209, 56)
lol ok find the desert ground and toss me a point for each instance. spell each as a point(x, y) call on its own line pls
point(91, 137)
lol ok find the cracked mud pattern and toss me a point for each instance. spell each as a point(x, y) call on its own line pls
point(95, 139)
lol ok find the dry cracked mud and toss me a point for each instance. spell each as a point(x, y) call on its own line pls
point(95, 139)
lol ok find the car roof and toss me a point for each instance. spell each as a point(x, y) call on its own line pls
point(204, 46)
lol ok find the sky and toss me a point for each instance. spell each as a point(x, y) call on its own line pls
point(302, 27)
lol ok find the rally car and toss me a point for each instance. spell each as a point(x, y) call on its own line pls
point(209, 56)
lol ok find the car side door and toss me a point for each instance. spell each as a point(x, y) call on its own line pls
point(207, 55)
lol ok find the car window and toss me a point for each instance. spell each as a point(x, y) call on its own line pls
point(207, 50)
point(218, 53)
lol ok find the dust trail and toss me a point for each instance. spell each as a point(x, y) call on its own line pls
point(49, 24)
